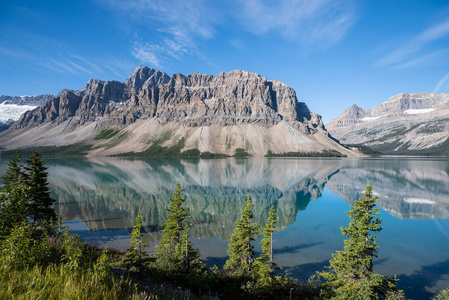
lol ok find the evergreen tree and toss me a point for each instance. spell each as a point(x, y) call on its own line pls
point(13, 196)
point(41, 202)
point(186, 253)
point(176, 215)
point(13, 206)
point(137, 257)
point(240, 250)
point(353, 276)
point(13, 173)
point(175, 251)
point(264, 264)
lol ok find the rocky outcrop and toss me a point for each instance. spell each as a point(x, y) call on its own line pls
point(405, 124)
point(232, 98)
point(217, 114)
point(144, 78)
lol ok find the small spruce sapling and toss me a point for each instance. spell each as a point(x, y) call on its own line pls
point(264, 265)
point(137, 257)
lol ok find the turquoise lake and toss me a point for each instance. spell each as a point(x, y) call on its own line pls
point(99, 198)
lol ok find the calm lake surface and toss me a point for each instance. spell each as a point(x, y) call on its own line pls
point(99, 199)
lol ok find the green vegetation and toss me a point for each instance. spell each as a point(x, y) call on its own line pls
point(25, 194)
point(264, 265)
point(197, 154)
point(106, 133)
point(137, 257)
point(433, 127)
point(117, 139)
point(156, 150)
point(364, 149)
point(323, 153)
point(40, 259)
point(175, 254)
point(241, 254)
point(78, 149)
point(39, 198)
point(398, 148)
point(353, 276)
point(240, 152)
point(443, 295)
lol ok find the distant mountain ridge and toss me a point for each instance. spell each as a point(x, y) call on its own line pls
point(12, 107)
point(26, 100)
point(216, 114)
point(414, 124)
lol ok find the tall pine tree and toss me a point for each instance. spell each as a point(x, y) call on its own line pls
point(175, 252)
point(13, 173)
point(41, 202)
point(353, 276)
point(13, 196)
point(240, 249)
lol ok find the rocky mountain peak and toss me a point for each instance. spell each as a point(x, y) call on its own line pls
point(217, 114)
point(354, 110)
point(144, 77)
point(406, 123)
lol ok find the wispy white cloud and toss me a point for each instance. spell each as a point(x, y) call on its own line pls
point(79, 67)
point(183, 24)
point(146, 53)
point(410, 53)
point(89, 64)
point(309, 23)
point(425, 59)
point(442, 83)
point(179, 22)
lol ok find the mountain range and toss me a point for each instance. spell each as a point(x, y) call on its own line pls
point(406, 124)
point(152, 112)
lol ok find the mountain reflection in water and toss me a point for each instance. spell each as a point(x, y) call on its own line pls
point(107, 193)
point(99, 198)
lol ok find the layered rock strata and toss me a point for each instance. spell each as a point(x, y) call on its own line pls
point(216, 114)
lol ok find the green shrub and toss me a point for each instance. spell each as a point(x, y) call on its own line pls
point(240, 152)
point(443, 295)
point(106, 133)
point(323, 153)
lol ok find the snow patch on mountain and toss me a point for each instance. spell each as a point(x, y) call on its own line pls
point(367, 119)
point(12, 111)
point(418, 111)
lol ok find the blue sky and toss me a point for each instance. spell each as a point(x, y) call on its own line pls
point(332, 52)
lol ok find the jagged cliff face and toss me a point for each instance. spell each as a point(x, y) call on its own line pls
point(405, 124)
point(218, 114)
